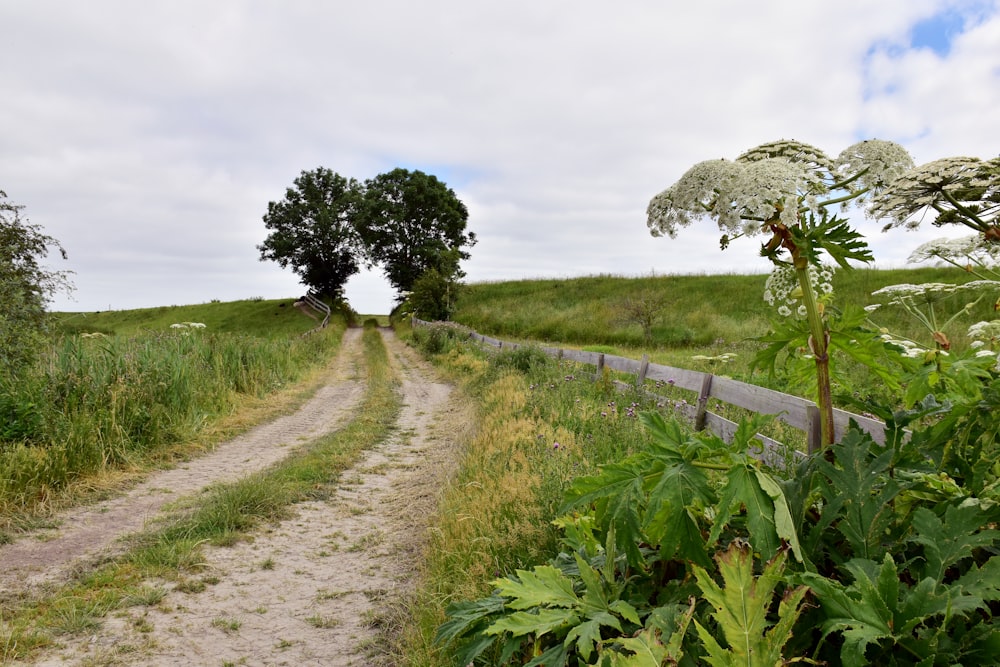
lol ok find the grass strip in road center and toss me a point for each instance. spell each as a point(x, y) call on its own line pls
point(220, 516)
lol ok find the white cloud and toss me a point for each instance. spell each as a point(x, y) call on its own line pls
point(149, 137)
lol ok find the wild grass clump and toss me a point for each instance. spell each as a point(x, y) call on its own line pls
point(96, 403)
point(541, 423)
point(439, 337)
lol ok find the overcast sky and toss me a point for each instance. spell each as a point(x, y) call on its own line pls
point(148, 137)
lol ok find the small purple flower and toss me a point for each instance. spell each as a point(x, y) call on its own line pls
point(555, 445)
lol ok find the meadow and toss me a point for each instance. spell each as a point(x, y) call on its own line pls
point(125, 390)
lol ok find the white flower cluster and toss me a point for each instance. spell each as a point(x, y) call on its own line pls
point(963, 190)
point(972, 248)
point(783, 178)
point(985, 331)
point(909, 348)
point(783, 290)
point(928, 292)
point(187, 325)
point(878, 162)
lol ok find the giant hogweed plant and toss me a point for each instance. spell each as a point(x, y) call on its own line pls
point(692, 552)
point(789, 193)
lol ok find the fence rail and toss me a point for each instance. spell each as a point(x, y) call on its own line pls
point(797, 412)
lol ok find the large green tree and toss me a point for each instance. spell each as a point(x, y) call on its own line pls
point(410, 223)
point(312, 230)
point(25, 285)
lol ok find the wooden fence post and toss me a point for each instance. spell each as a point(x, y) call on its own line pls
point(600, 366)
point(702, 408)
point(814, 436)
point(643, 369)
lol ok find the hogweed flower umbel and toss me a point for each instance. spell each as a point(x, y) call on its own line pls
point(786, 190)
point(954, 190)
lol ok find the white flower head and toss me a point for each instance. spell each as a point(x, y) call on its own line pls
point(974, 248)
point(878, 162)
point(984, 330)
point(781, 178)
point(960, 190)
point(782, 288)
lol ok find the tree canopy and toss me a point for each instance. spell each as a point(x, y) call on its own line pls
point(25, 284)
point(412, 222)
point(406, 222)
point(313, 230)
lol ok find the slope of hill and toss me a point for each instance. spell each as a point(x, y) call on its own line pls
point(250, 316)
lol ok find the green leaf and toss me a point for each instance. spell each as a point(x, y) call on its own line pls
point(952, 539)
point(741, 610)
point(542, 586)
point(858, 492)
point(588, 633)
point(533, 623)
point(682, 490)
point(840, 241)
point(743, 491)
point(463, 616)
point(784, 525)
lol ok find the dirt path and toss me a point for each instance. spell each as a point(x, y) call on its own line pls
point(91, 532)
point(306, 591)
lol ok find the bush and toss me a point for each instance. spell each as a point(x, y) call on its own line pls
point(439, 337)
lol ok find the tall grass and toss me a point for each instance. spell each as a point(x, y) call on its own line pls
point(220, 516)
point(97, 403)
point(541, 423)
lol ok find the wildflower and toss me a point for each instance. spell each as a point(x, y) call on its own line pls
point(985, 330)
point(958, 190)
point(778, 180)
point(782, 288)
point(985, 353)
point(555, 445)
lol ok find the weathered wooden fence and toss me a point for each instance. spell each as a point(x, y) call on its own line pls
point(797, 412)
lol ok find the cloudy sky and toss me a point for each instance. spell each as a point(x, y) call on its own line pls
point(148, 137)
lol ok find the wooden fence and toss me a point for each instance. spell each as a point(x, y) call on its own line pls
point(797, 412)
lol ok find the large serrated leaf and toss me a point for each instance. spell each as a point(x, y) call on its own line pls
point(542, 586)
point(533, 623)
point(951, 539)
point(741, 610)
point(743, 491)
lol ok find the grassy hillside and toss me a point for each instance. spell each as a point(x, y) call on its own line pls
point(699, 311)
point(252, 317)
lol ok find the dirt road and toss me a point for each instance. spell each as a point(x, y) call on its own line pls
point(307, 591)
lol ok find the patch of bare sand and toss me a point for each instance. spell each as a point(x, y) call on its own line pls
point(305, 592)
point(92, 533)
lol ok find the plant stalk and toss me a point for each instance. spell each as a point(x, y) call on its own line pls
point(819, 345)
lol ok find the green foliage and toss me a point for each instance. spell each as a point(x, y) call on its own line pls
point(439, 337)
point(586, 311)
point(25, 286)
point(312, 230)
point(92, 403)
point(899, 559)
point(412, 222)
point(741, 610)
point(434, 295)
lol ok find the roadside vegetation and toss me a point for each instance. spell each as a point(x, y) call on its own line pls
point(689, 550)
point(221, 516)
point(138, 388)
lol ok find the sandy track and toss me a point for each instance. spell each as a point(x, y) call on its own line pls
point(308, 590)
point(92, 532)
